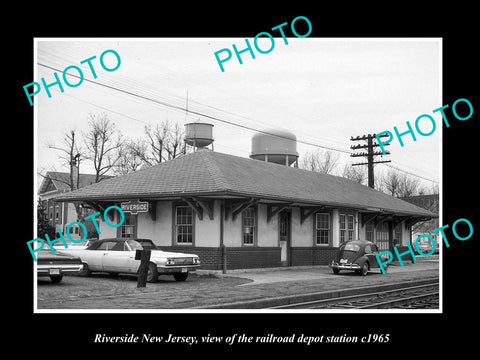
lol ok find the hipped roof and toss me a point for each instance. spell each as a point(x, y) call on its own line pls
point(61, 180)
point(208, 173)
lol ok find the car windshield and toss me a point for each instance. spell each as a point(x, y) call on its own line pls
point(146, 244)
point(134, 245)
point(351, 247)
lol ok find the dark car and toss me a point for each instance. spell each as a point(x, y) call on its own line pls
point(56, 265)
point(147, 244)
point(357, 255)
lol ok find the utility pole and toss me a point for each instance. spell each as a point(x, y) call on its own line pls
point(370, 154)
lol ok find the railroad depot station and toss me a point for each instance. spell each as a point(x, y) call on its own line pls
point(257, 212)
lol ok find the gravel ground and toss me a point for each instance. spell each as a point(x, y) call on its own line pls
point(101, 291)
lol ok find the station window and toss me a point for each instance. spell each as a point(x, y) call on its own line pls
point(382, 236)
point(350, 227)
point(74, 229)
point(397, 235)
point(184, 225)
point(322, 228)
point(129, 227)
point(369, 231)
point(347, 227)
point(248, 226)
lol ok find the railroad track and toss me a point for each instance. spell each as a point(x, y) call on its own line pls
point(412, 297)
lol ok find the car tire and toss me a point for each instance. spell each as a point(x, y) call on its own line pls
point(56, 278)
point(181, 276)
point(336, 271)
point(152, 273)
point(364, 270)
point(85, 270)
point(385, 268)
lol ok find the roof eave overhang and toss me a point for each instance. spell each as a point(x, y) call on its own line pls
point(229, 194)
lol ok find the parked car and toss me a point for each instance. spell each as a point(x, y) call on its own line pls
point(58, 246)
point(117, 255)
point(425, 246)
point(56, 265)
point(147, 244)
point(357, 255)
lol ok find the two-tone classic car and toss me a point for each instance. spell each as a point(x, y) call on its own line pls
point(56, 265)
point(357, 255)
point(117, 255)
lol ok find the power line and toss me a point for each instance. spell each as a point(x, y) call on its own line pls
point(370, 155)
point(408, 172)
point(183, 109)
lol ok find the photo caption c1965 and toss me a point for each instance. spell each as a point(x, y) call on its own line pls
point(244, 339)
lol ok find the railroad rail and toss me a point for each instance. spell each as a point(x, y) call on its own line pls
point(411, 297)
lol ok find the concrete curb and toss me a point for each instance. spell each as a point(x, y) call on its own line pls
point(291, 299)
point(234, 272)
point(253, 270)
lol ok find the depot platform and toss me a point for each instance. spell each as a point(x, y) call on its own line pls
point(314, 273)
point(271, 287)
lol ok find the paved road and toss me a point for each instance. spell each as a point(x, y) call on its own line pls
point(205, 288)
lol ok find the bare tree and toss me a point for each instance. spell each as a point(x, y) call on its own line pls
point(163, 142)
point(103, 144)
point(319, 161)
point(70, 154)
point(173, 145)
point(391, 182)
point(156, 138)
point(355, 173)
point(434, 188)
point(408, 186)
point(129, 160)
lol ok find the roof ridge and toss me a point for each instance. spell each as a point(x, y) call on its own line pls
point(214, 170)
point(208, 172)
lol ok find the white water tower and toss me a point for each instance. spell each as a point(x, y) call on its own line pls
point(275, 146)
point(199, 135)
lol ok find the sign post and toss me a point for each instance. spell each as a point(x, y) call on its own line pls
point(144, 257)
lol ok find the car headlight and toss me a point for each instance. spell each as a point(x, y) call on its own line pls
point(170, 262)
point(196, 260)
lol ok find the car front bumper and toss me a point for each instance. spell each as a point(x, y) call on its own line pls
point(348, 266)
point(60, 269)
point(173, 269)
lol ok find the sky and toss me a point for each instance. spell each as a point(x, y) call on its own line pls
point(325, 90)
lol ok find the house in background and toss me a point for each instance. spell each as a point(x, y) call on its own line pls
point(255, 212)
point(61, 214)
point(431, 203)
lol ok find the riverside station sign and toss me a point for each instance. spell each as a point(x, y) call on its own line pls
point(134, 206)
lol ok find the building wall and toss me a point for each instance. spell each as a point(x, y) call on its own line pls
point(267, 234)
point(105, 230)
point(207, 232)
point(266, 251)
point(335, 227)
point(159, 231)
point(232, 232)
point(302, 234)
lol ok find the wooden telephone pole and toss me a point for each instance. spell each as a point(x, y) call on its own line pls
point(370, 154)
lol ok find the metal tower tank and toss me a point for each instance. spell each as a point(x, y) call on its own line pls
point(199, 134)
point(275, 146)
